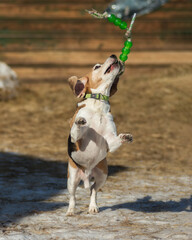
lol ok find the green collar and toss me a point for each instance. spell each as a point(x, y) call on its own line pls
point(97, 96)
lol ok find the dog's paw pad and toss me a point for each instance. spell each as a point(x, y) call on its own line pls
point(81, 121)
point(126, 137)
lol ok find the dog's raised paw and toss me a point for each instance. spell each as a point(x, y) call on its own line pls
point(81, 121)
point(126, 137)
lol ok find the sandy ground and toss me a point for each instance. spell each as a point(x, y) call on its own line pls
point(148, 194)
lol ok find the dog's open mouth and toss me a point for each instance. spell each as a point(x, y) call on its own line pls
point(111, 67)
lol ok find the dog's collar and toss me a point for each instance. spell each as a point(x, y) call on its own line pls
point(97, 96)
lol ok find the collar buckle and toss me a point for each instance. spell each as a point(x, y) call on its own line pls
point(93, 95)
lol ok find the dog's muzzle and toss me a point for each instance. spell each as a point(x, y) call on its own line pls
point(121, 64)
point(112, 65)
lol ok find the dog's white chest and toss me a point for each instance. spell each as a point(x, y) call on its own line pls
point(91, 132)
point(92, 146)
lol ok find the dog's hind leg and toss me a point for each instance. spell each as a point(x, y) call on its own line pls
point(72, 183)
point(100, 176)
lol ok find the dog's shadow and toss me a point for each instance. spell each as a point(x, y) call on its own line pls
point(28, 183)
point(147, 205)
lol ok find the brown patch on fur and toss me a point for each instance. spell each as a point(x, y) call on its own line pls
point(73, 164)
point(103, 166)
point(91, 84)
point(74, 146)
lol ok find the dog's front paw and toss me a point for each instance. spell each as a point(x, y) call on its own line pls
point(80, 121)
point(126, 137)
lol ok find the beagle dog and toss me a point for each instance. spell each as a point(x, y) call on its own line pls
point(93, 132)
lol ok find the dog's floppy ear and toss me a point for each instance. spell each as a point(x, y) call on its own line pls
point(78, 86)
point(114, 87)
point(72, 81)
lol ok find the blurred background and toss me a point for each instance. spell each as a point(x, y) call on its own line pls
point(51, 40)
point(45, 42)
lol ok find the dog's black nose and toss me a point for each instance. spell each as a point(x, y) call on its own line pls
point(113, 56)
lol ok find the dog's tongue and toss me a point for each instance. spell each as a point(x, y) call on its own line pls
point(112, 67)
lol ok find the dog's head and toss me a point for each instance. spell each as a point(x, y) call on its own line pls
point(102, 76)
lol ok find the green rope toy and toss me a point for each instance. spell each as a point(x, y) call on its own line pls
point(123, 25)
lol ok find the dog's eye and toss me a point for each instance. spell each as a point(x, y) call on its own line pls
point(97, 66)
